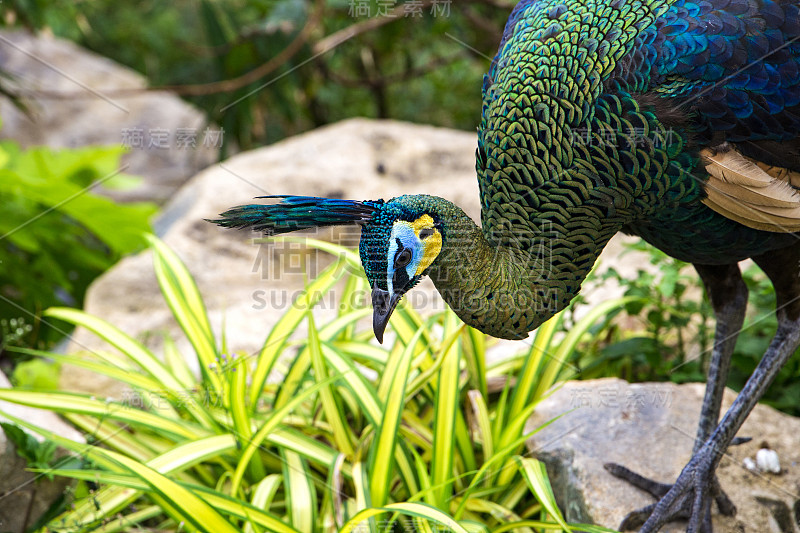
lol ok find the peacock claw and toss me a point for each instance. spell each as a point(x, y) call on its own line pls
point(689, 498)
point(740, 440)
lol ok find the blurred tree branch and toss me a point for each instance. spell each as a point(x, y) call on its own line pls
point(214, 87)
point(252, 59)
point(335, 39)
point(322, 46)
point(408, 74)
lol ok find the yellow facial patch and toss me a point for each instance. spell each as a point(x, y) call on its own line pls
point(431, 245)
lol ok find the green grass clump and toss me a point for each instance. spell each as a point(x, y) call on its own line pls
point(354, 437)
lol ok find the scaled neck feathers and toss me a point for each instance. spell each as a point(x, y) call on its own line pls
point(506, 290)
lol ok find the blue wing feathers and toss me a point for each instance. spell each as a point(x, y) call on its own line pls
point(735, 63)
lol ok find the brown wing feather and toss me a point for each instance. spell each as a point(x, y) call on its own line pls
point(784, 174)
point(752, 193)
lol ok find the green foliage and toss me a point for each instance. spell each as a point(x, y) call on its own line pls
point(666, 332)
point(56, 235)
point(353, 435)
point(424, 67)
point(37, 454)
point(36, 374)
point(13, 331)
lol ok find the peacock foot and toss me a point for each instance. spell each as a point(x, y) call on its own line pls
point(689, 498)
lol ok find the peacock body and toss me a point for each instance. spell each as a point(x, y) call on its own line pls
point(677, 121)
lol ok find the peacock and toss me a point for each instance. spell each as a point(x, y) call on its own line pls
point(674, 120)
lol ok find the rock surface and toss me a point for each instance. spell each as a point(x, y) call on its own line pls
point(95, 112)
point(25, 496)
point(650, 429)
point(248, 286)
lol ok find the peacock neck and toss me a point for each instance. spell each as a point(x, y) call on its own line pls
point(509, 289)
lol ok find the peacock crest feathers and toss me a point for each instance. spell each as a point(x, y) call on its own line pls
point(294, 213)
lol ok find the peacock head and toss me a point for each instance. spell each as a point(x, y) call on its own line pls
point(400, 239)
point(397, 248)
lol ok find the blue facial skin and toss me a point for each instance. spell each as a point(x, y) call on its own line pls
point(398, 277)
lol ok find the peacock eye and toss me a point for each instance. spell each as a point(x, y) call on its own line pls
point(424, 233)
point(403, 258)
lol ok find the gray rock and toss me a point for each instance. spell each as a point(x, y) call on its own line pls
point(650, 429)
point(98, 110)
point(25, 496)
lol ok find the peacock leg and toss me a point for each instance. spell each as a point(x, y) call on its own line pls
point(728, 295)
point(692, 490)
point(696, 482)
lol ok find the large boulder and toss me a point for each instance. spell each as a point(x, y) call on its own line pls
point(650, 428)
point(77, 98)
point(248, 286)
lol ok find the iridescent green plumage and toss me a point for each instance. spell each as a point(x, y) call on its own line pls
point(582, 136)
point(674, 120)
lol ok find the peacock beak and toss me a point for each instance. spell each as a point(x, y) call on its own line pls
point(382, 306)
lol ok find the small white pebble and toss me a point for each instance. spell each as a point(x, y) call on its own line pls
point(750, 464)
point(767, 461)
